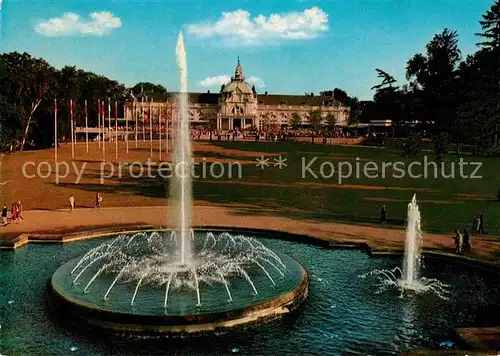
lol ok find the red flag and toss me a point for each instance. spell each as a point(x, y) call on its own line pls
point(102, 112)
point(86, 108)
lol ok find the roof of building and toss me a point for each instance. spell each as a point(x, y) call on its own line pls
point(263, 99)
point(277, 99)
point(241, 85)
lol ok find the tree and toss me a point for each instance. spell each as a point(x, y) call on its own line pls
point(149, 88)
point(387, 100)
point(435, 78)
point(490, 24)
point(295, 120)
point(9, 125)
point(387, 80)
point(340, 95)
point(24, 83)
point(27, 88)
point(355, 110)
point(331, 120)
point(315, 121)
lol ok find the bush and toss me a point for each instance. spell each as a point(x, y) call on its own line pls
point(441, 145)
point(413, 146)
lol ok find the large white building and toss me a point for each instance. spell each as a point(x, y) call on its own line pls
point(238, 106)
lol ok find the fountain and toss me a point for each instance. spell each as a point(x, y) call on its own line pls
point(408, 278)
point(413, 243)
point(180, 184)
point(178, 282)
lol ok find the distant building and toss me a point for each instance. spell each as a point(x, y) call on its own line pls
point(238, 106)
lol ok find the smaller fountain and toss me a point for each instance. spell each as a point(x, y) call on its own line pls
point(408, 278)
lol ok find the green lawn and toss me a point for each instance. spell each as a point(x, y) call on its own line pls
point(445, 204)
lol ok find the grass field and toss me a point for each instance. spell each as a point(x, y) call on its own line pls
point(445, 204)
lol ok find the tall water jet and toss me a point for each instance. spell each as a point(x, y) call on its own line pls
point(413, 244)
point(408, 277)
point(180, 195)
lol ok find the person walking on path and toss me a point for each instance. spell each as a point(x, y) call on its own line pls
point(383, 215)
point(459, 242)
point(480, 228)
point(20, 210)
point(98, 200)
point(14, 212)
point(466, 247)
point(4, 215)
point(71, 203)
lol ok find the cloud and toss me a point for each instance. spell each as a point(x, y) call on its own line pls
point(218, 80)
point(238, 28)
point(70, 24)
point(259, 83)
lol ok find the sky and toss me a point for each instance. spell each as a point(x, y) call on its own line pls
point(285, 47)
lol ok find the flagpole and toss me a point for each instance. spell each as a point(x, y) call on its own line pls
point(159, 131)
point(166, 129)
point(143, 121)
point(109, 119)
point(103, 128)
point(151, 126)
point(86, 126)
point(99, 122)
point(55, 139)
point(126, 125)
point(136, 115)
point(72, 129)
point(116, 130)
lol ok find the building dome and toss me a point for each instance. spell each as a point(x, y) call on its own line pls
point(242, 87)
point(237, 82)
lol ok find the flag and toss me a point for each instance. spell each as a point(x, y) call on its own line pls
point(85, 109)
point(116, 111)
point(55, 105)
point(102, 113)
point(71, 109)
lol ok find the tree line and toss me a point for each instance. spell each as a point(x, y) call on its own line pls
point(447, 98)
point(28, 87)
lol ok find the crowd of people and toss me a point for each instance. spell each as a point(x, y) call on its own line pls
point(16, 213)
point(237, 134)
point(462, 240)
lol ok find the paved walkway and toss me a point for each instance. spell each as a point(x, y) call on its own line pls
point(56, 222)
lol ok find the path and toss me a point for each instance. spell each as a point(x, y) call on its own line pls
point(55, 222)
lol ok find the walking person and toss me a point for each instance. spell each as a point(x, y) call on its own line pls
point(466, 247)
point(383, 215)
point(20, 210)
point(14, 212)
point(459, 242)
point(71, 203)
point(98, 200)
point(4, 215)
point(481, 224)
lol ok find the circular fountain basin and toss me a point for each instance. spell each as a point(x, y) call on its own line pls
point(183, 306)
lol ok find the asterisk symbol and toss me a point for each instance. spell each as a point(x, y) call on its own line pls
point(262, 162)
point(280, 162)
